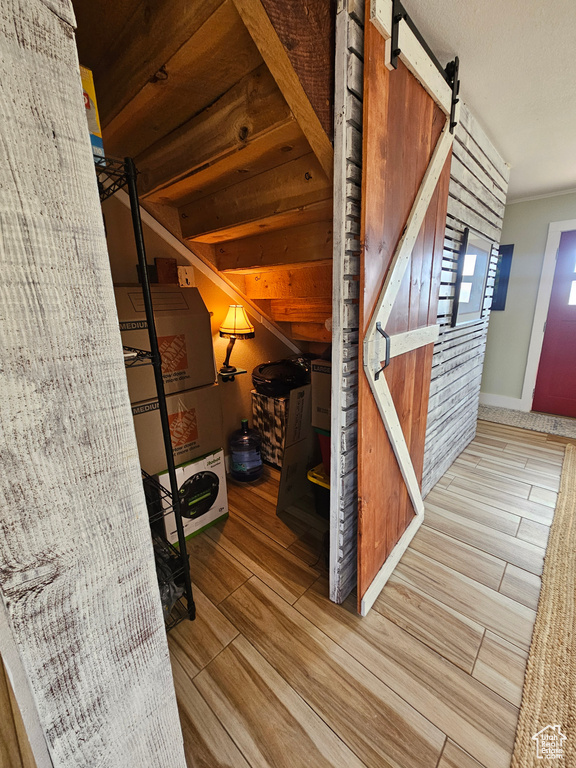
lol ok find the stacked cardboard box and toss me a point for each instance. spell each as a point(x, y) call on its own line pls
point(192, 399)
point(184, 338)
point(196, 428)
point(321, 380)
point(92, 112)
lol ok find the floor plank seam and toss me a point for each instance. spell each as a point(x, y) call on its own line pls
point(478, 652)
point(369, 671)
point(225, 729)
point(502, 579)
point(462, 576)
point(441, 755)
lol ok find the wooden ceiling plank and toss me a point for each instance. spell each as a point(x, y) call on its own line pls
point(310, 282)
point(293, 186)
point(92, 36)
point(250, 110)
point(290, 247)
point(167, 217)
point(301, 310)
point(294, 217)
point(276, 57)
point(233, 273)
point(213, 60)
point(270, 149)
point(310, 332)
point(152, 35)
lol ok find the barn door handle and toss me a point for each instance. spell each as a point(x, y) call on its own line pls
point(383, 333)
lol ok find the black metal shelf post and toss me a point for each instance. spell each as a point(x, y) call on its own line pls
point(112, 176)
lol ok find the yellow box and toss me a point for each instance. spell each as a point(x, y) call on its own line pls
point(92, 111)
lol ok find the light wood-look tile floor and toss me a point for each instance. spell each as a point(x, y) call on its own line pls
point(274, 675)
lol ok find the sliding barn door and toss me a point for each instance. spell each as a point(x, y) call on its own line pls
point(406, 166)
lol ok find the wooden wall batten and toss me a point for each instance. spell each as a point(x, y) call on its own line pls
point(77, 575)
point(345, 316)
point(477, 195)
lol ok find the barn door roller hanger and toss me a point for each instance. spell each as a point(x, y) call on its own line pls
point(449, 72)
point(404, 42)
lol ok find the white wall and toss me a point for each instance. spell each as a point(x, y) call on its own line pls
point(526, 227)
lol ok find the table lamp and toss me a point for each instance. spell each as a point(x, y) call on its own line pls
point(235, 326)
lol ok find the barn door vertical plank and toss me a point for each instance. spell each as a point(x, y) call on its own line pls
point(77, 575)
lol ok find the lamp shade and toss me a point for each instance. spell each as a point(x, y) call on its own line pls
point(237, 325)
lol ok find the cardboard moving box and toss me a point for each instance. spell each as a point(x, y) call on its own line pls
point(195, 418)
point(184, 338)
point(203, 495)
point(321, 381)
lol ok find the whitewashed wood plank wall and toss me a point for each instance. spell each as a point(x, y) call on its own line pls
point(345, 318)
point(477, 195)
point(476, 199)
point(77, 576)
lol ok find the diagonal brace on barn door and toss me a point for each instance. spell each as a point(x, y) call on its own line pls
point(379, 347)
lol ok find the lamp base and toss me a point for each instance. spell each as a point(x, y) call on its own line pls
point(225, 369)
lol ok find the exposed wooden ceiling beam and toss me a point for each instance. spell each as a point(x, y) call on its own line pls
point(307, 31)
point(233, 273)
point(274, 53)
point(278, 198)
point(310, 242)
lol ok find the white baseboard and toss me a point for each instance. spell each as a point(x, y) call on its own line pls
point(502, 401)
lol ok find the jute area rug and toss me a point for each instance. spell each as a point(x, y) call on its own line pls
point(537, 422)
point(548, 710)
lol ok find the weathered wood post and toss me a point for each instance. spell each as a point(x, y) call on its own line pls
point(77, 576)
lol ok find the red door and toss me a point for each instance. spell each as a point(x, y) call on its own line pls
point(556, 381)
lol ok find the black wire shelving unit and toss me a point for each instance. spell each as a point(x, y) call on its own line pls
point(172, 564)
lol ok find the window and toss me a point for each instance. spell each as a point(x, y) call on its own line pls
point(470, 287)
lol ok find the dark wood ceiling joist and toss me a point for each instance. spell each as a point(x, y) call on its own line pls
point(306, 29)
